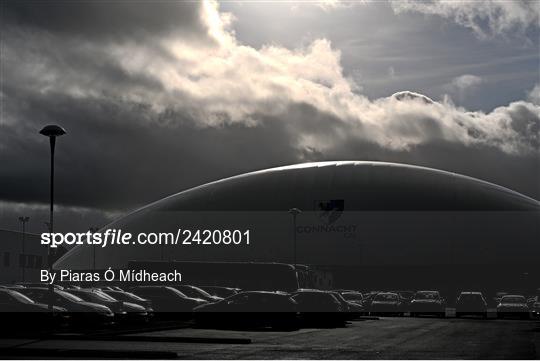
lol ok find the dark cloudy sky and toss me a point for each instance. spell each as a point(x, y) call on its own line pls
point(161, 96)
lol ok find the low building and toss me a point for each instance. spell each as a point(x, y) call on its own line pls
point(21, 258)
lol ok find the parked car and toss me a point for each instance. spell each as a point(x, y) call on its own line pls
point(196, 292)
point(319, 308)
point(406, 296)
point(368, 298)
point(123, 311)
point(535, 310)
point(219, 291)
point(387, 303)
point(250, 309)
point(168, 299)
point(532, 300)
point(81, 312)
point(19, 312)
point(352, 309)
point(471, 303)
point(427, 303)
point(497, 298)
point(513, 306)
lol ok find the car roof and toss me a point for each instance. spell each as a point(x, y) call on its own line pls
point(319, 292)
point(264, 293)
point(37, 289)
point(311, 290)
point(7, 290)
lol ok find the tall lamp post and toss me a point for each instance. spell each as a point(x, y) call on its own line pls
point(23, 221)
point(51, 131)
point(294, 212)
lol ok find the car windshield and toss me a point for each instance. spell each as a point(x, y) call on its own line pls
point(513, 299)
point(314, 297)
point(102, 295)
point(352, 296)
point(175, 291)
point(129, 295)
point(339, 297)
point(426, 296)
point(194, 292)
point(69, 296)
point(93, 296)
point(124, 296)
point(20, 297)
point(470, 297)
point(386, 297)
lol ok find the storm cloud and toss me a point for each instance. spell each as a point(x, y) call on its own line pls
point(158, 98)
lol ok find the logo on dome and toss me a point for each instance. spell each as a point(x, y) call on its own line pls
point(330, 210)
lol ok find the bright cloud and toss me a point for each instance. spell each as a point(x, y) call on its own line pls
point(485, 17)
point(534, 95)
point(466, 81)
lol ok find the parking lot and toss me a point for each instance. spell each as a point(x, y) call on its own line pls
point(365, 338)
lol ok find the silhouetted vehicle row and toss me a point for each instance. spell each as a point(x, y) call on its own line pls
point(19, 312)
point(28, 308)
point(111, 305)
point(123, 311)
point(79, 311)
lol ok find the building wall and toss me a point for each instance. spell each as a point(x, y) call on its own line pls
point(16, 266)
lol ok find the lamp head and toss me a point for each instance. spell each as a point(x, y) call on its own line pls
point(295, 211)
point(52, 130)
point(24, 219)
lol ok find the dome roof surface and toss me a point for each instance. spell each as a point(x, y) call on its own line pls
point(366, 185)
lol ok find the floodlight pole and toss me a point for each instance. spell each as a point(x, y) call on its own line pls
point(23, 221)
point(51, 131)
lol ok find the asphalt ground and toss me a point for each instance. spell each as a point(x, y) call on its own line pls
point(383, 338)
